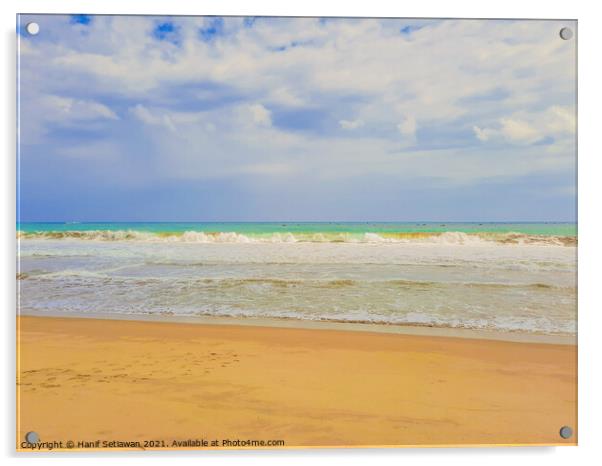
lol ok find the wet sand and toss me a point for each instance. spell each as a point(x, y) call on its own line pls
point(89, 380)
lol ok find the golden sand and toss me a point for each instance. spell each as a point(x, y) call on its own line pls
point(94, 380)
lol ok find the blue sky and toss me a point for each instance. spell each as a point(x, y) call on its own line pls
point(258, 119)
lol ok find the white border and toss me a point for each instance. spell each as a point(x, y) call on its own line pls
point(590, 220)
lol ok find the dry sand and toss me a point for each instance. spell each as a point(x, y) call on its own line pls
point(108, 380)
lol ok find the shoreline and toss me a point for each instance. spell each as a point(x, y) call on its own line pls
point(135, 381)
point(417, 330)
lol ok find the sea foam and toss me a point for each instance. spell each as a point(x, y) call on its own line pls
point(449, 237)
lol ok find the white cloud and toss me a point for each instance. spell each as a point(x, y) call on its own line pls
point(144, 115)
point(351, 124)
point(354, 56)
point(519, 131)
point(65, 108)
point(407, 126)
point(285, 96)
point(349, 71)
point(483, 134)
point(560, 120)
point(260, 115)
point(555, 122)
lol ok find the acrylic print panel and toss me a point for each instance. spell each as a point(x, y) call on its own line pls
point(295, 232)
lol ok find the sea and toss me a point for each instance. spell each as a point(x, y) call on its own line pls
point(494, 277)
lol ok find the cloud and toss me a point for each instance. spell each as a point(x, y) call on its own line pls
point(68, 109)
point(483, 134)
point(144, 115)
point(560, 120)
point(351, 124)
point(302, 99)
point(285, 96)
point(555, 122)
point(260, 115)
point(407, 126)
point(519, 131)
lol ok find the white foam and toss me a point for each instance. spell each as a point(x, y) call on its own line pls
point(444, 238)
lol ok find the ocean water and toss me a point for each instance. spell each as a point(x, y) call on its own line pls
point(301, 231)
point(502, 277)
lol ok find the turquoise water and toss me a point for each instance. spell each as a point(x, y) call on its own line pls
point(266, 228)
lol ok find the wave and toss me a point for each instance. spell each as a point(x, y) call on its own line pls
point(459, 302)
point(228, 282)
point(504, 324)
point(539, 325)
point(449, 237)
point(533, 325)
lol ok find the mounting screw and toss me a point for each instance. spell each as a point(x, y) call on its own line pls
point(32, 28)
point(32, 437)
point(566, 432)
point(566, 33)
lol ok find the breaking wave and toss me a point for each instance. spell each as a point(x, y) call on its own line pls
point(226, 282)
point(450, 237)
point(535, 325)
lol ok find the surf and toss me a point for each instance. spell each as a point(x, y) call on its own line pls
point(191, 236)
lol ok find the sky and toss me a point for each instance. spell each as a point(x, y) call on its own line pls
point(147, 118)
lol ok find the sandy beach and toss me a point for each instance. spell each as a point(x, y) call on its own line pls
point(134, 381)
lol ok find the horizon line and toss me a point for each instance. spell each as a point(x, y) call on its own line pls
point(294, 221)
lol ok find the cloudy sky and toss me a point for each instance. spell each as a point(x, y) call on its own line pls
point(249, 119)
